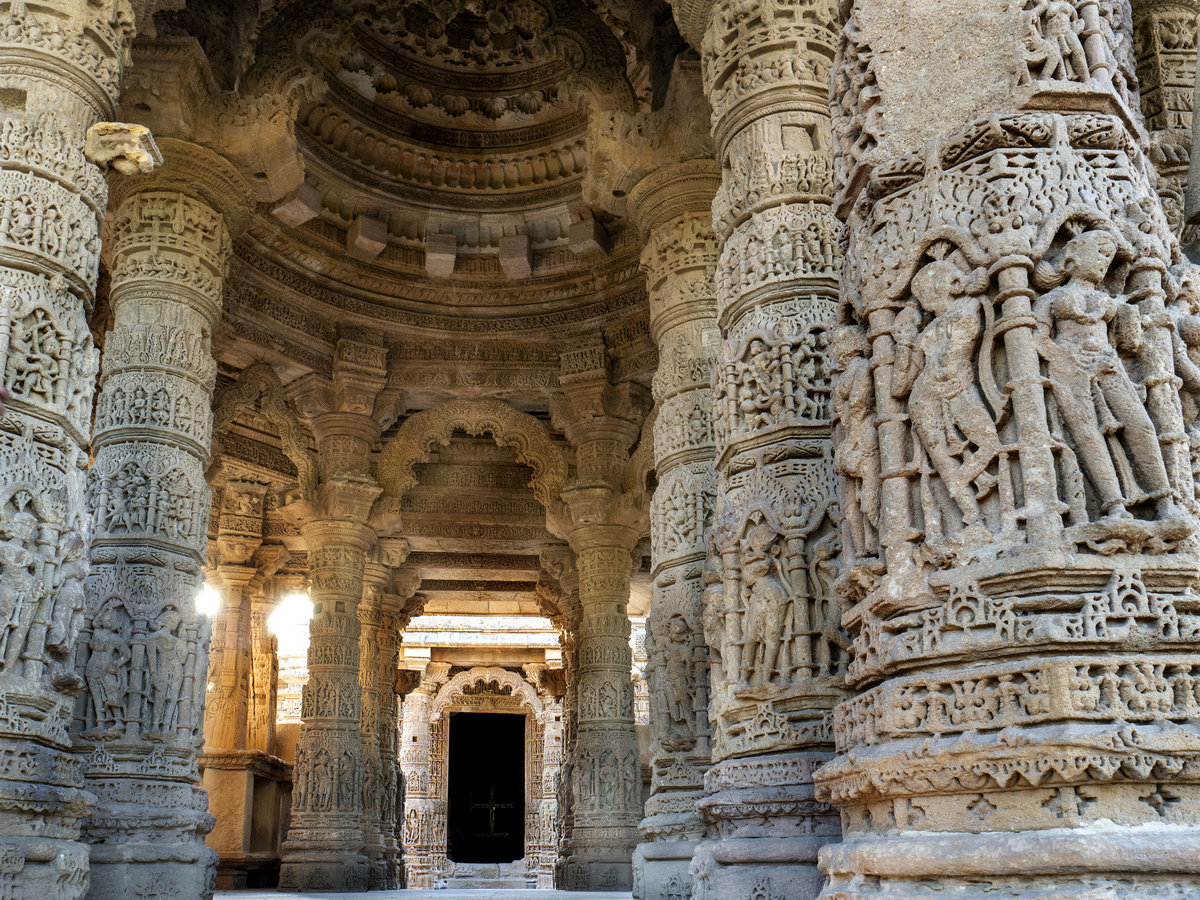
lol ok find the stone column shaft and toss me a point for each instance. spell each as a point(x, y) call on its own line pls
point(1014, 465)
point(770, 617)
point(228, 696)
point(602, 423)
point(52, 202)
point(370, 617)
point(144, 645)
point(390, 627)
point(424, 827)
point(264, 682)
point(1163, 37)
point(674, 208)
point(608, 781)
point(324, 847)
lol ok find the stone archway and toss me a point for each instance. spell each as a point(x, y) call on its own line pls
point(509, 427)
point(480, 689)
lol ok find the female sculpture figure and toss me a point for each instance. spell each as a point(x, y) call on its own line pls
point(166, 656)
point(938, 373)
point(1096, 398)
point(766, 604)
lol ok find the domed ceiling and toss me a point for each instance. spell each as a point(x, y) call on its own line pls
point(463, 162)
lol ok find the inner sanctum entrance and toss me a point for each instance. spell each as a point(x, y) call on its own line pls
point(486, 788)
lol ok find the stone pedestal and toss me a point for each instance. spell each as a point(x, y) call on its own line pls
point(143, 650)
point(248, 791)
point(1015, 441)
point(673, 208)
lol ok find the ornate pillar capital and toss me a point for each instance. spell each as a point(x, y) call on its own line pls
point(196, 171)
point(680, 190)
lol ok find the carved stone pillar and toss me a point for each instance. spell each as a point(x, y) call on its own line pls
point(558, 587)
point(391, 624)
point(264, 680)
point(1164, 39)
point(673, 208)
point(770, 619)
point(601, 421)
point(144, 646)
point(58, 79)
point(239, 534)
point(370, 618)
point(1020, 508)
point(424, 817)
point(324, 849)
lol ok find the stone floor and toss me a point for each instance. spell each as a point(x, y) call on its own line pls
point(485, 894)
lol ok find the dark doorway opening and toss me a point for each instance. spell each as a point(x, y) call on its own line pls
point(486, 788)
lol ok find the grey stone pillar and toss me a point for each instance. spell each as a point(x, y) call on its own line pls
point(778, 658)
point(602, 422)
point(673, 208)
point(1024, 641)
point(324, 849)
point(143, 651)
point(52, 202)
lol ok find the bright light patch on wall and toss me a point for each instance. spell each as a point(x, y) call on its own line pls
point(289, 623)
point(208, 601)
point(294, 609)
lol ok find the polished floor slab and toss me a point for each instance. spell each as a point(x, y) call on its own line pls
point(484, 894)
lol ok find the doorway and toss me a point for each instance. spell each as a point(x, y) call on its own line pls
point(486, 788)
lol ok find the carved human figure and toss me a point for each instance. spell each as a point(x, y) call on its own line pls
point(857, 458)
point(166, 656)
point(822, 573)
point(69, 600)
point(1183, 295)
point(1053, 49)
point(1096, 399)
point(937, 372)
point(766, 603)
point(105, 670)
point(20, 588)
point(680, 681)
point(609, 781)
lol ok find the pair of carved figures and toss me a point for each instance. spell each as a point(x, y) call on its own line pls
point(332, 780)
point(166, 648)
point(1055, 41)
point(33, 590)
point(609, 780)
point(1096, 354)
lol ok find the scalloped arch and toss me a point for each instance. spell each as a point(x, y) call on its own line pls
point(260, 380)
point(520, 688)
point(509, 427)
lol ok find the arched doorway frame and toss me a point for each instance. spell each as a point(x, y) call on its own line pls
point(425, 832)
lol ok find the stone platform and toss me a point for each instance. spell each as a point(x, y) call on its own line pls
point(485, 894)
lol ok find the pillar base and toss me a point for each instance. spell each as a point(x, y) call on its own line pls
point(324, 871)
point(1130, 862)
point(599, 872)
point(150, 870)
point(661, 870)
point(779, 868)
point(146, 838)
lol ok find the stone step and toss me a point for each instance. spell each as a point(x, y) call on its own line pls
point(501, 884)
